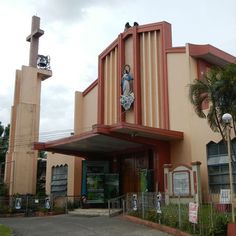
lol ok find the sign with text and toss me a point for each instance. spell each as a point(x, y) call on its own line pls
point(193, 211)
point(225, 196)
point(181, 185)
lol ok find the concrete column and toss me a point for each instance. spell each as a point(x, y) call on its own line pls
point(167, 184)
point(197, 181)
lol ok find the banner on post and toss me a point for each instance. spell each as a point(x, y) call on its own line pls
point(193, 212)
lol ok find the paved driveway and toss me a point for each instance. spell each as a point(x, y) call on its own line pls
point(68, 225)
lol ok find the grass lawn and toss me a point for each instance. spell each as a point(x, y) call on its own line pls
point(5, 231)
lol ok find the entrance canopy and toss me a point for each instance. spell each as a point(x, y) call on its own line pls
point(107, 139)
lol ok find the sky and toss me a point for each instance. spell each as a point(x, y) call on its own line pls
point(77, 31)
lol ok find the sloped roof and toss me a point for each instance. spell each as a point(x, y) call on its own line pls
point(105, 139)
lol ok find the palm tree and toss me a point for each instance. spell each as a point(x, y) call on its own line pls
point(217, 89)
point(225, 92)
point(4, 139)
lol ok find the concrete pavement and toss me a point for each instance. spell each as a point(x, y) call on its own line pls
point(71, 225)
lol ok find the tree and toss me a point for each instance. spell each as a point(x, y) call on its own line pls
point(218, 89)
point(41, 173)
point(4, 140)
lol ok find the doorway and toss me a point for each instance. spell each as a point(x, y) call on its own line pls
point(136, 170)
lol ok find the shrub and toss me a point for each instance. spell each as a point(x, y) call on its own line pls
point(220, 226)
point(3, 189)
point(71, 205)
point(43, 210)
point(58, 210)
point(152, 216)
point(206, 217)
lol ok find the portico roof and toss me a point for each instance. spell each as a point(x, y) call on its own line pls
point(211, 54)
point(107, 139)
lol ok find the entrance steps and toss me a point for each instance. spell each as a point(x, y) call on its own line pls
point(95, 212)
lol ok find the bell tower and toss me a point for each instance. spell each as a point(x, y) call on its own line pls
point(21, 160)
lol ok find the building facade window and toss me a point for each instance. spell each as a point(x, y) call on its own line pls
point(218, 166)
point(59, 180)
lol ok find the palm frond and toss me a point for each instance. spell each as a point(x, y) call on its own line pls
point(211, 119)
point(218, 88)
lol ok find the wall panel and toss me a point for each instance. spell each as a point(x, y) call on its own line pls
point(149, 53)
point(110, 88)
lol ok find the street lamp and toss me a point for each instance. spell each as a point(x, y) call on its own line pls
point(227, 118)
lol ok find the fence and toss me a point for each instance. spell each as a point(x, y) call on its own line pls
point(116, 205)
point(210, 218)
point(29, 205)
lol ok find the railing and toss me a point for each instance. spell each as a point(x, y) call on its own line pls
point(212, 216)
point(116, 205)
point(30, 205)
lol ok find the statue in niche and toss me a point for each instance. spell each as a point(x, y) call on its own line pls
point(127, 97)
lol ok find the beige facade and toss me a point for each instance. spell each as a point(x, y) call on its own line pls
point(161, 126)
point(83, 122)
point(74, 172)
point(85, 111)
point(21, 161)
point(182, 70)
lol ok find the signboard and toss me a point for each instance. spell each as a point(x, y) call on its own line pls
point(95, 187)
point(47, 203)
point(193, 211)
point(18, 203)
point(225, 196)
point(135, 202)
point(181, 183)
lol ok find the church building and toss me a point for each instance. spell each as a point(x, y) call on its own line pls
point(135, 119)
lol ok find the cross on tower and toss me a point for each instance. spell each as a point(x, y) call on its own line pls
point(33, 38)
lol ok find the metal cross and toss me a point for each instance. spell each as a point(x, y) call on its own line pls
point(33, 38)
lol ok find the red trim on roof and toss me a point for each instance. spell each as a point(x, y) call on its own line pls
point(90, 87)
point(153, 27)
point(201, 50)
point(124, 131)
point(176, 50)
point(65, 140)
point(150, 130)
point(108, 49)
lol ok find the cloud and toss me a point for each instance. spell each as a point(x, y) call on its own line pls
point(57, 106)
point(77, 31)
point(67, 11)
point(5, 105)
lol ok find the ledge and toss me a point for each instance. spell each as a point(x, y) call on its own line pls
point(157, 226)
